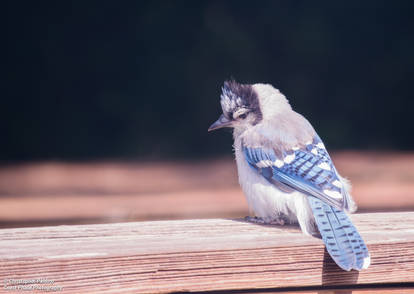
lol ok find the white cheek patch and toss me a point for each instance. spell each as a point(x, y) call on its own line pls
point(333, 194)
point(289, 158)
point(324, 166)
point(337, 183)
point(315, 151)
point(278, 163)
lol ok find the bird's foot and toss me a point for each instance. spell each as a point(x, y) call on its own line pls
point(262, 221)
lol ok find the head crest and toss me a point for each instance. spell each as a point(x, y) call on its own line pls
point(235, 95)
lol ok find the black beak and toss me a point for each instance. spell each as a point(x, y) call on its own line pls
point(222, 122)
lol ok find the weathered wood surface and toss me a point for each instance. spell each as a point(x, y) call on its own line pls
point(201, 255)
point(54, 193)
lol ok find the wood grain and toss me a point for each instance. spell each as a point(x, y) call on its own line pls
point(201, 255)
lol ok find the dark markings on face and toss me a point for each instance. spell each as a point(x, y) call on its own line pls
point(238, 96)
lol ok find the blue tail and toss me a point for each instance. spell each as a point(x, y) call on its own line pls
point(340, 236)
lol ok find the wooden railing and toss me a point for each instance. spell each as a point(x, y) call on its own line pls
point(202, 255)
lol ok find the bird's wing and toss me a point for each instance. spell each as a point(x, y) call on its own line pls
point(308, 169)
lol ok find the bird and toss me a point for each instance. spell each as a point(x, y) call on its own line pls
point(286, 173)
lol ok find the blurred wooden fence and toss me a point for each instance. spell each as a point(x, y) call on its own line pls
point(68, 193)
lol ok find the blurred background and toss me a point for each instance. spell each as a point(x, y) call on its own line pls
point(106, 104)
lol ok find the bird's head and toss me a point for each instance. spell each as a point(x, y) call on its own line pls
point(240, 105)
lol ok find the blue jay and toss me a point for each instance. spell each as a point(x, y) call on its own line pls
point(286, 173)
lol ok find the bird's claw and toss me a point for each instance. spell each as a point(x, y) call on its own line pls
point(262, 221)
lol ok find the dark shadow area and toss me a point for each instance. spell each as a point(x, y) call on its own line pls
point(141, 79)
point(332, 273)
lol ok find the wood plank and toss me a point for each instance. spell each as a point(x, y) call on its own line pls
point(405, 290)
point(201, 255)
point(380, 290)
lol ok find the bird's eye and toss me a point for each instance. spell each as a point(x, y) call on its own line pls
point(243, 116)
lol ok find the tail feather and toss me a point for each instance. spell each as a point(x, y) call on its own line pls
point(357, 243)
point(340, 236)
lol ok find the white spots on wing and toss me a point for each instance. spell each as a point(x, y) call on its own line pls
point(320, 145)
point(315, 151)
point(333, 194)
point(308, 142)
point(289, 158)
point(268, 163)
point(367, 262)
point(264, 163)
point(325, 166)
point(278, 163)
point(295, 148)
point(337, 183)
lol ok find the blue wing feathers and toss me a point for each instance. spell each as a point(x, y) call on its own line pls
point(303, 173)
point(311, 171)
